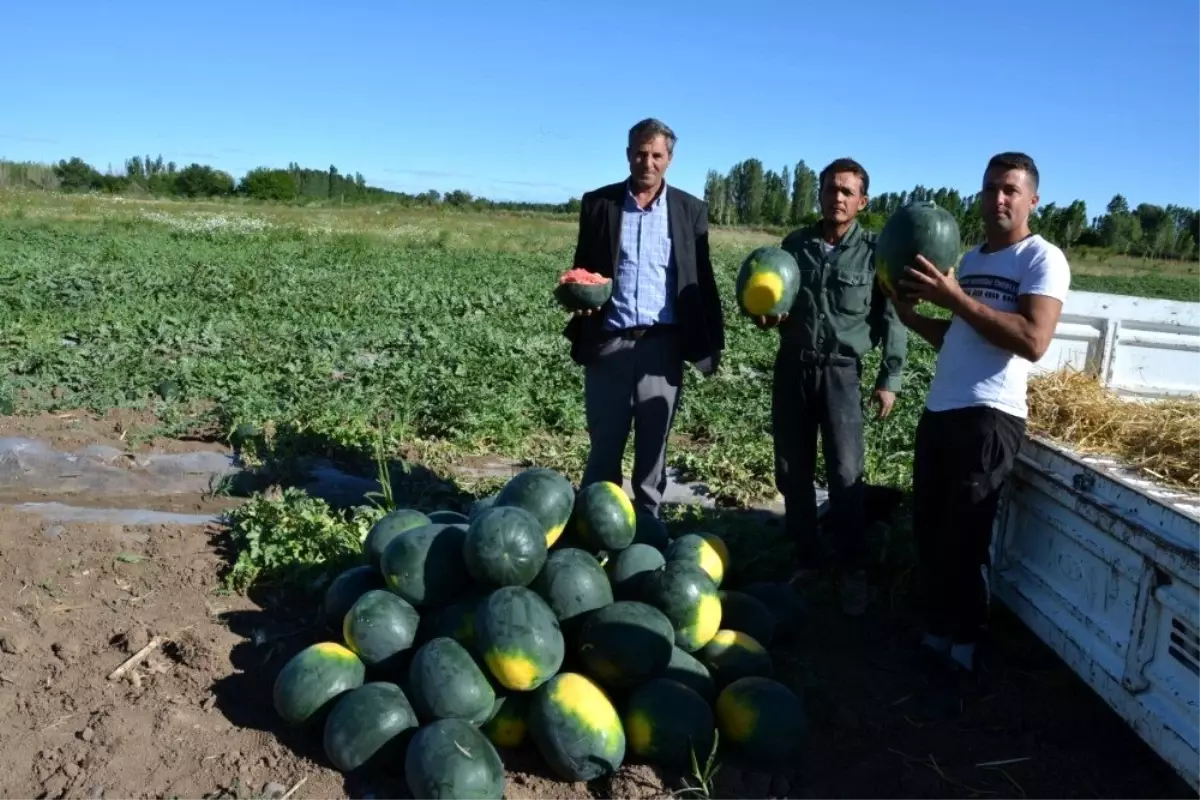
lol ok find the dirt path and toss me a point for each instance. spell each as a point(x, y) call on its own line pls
point(195, 718)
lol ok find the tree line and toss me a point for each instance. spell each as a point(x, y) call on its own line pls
point(750, 195)
point(153, 176)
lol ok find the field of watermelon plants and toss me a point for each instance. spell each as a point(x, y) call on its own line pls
point(431, 345)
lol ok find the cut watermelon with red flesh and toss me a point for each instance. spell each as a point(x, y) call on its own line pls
point(580, 289)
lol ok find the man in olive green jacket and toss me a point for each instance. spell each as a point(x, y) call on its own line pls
point(840, 313)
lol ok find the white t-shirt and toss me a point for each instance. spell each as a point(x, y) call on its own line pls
point(971, 371)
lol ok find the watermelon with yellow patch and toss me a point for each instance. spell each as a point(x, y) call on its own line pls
point(746, 613)
point(519, 638)
point(688, 596)
point(732, 655)
point(767, 282)
point(762, 719)
point(603, 517)
point(576, 728)
point(312, 679)
point(666, 723)
point(544, 493)
point(704, 550)
point(507, 725)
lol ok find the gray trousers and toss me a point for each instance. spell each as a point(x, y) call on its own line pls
point(633, 382)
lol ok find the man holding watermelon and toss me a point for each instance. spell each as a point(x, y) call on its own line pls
point(651, 241)
point(1005, 299)
point(838, 315)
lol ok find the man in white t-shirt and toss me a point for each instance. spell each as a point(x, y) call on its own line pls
point(1005, 299)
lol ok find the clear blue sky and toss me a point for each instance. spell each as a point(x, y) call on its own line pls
point(531, 99)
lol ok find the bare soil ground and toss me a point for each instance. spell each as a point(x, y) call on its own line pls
point(194, 719)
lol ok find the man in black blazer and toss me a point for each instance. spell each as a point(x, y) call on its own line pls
point(652, 241)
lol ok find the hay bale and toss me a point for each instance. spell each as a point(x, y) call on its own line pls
point(1160, 438)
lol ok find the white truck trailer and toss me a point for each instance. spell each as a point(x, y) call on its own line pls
point(1100, 563)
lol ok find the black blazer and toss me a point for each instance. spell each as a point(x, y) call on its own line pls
point(697, 303)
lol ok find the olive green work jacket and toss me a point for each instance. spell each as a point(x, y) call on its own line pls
point(840, 309)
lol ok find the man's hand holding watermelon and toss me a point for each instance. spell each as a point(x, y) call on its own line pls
point(583, 292)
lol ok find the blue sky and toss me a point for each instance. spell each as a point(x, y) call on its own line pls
point(532, 99)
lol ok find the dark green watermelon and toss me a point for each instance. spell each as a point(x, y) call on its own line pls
point(573, 584)
point(603, 517)
point(387, 528)
point(917, 228)
point(508, 723)
point(544, 493)
point(451, 758)
point(425, 565)
point(767, 282)
point(448, 518)
point(688, 670)
point(627, 570)
point(346, 588)
point(787, 607)
point(480, 505)
point(762, 720)
point(576, 728)
point(731, 655)
point(380, 627)
point(625, 643)
point(746, 613)
point(312, 679)
point(445, 681)
point(688, 596)
point(368, 727)
point(505, 546)
point(668, 724)
point(519, 638)
point(456, 621)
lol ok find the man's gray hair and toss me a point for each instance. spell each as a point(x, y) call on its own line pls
point(650, 128)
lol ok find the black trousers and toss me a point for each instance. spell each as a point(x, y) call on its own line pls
point(962, 460)
point(809, 395)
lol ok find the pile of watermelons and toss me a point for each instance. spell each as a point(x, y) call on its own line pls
point(551, 619)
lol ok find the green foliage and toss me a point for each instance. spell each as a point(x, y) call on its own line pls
point(143, 175)
point(401, 332)
point(345, 343)
point(292, 538)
